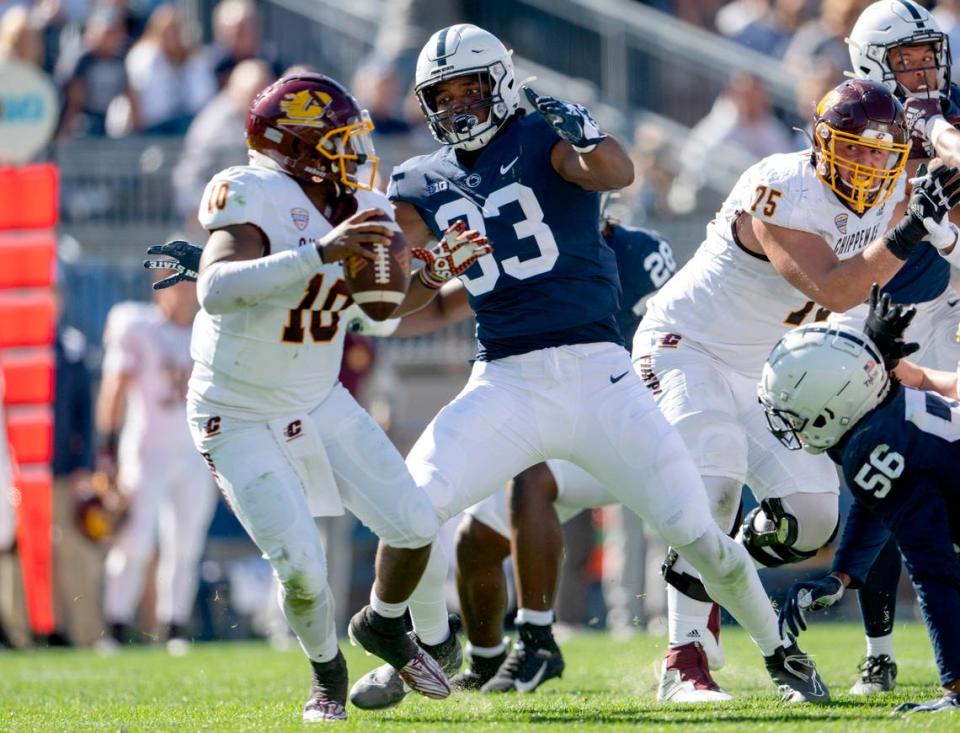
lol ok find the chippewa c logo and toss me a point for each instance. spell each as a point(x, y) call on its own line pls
point(211, 427)
point(306, 107)
point(293, 430)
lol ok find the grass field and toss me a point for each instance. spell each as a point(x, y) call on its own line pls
point(608, 685)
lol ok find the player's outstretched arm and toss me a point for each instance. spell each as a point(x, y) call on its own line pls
point(587, 157)
point(933, 380)
point(810, 265)
point(237, 271)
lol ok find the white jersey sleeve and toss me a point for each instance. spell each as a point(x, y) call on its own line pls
point(123, 347)
point(232, 197)
point(731, 301)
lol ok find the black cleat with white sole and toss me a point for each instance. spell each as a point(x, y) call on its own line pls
point(877, 674)
point(328, 691)
point(479, 671)
point(796, 676)
point(384, 686)
point(534, 659)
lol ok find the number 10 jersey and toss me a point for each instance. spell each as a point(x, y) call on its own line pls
point(733, 302)
point(282, 353)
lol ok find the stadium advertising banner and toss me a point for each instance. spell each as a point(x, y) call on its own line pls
point(28, 112)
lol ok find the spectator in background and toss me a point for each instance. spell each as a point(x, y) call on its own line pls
point(170, 80)
point(19, 39)
point(947, 15)
point(771, 32)
point(810, 89)
point(822, 38)
point(238, 36)
point(213, 138)
point(655, 160)
point(741, 120)
point(97, 77)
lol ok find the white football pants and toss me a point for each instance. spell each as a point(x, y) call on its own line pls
point(266, 492)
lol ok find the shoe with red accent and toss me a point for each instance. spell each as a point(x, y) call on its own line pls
point(712, 645)
point(685, 677)
point(387, 638)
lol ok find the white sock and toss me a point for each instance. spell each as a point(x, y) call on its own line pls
point(877, 645)
point(487, 652)
point(537, 618)
point(387, 610)
point(326, 652)
point(686, 617)
point(428, 605)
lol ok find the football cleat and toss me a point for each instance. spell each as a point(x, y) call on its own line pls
point(796, 676)
point(534, 659)
point(385, 687)
point(685, 677)
point(478, 672)
point(328, 691)
point(178, 642)
point(877, 674)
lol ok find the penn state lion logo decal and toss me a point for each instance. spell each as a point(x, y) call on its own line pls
point(306, 107)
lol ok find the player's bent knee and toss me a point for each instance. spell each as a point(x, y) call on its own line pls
point(716, 557)
point(532, 487)
point(787, 530)
point(302, 572)
point(818, 518)
point(478, 546)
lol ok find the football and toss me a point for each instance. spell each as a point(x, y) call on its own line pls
point(378, 286)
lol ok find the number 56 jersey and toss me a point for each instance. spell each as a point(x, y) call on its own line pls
point(282, 353)
point(731, 301)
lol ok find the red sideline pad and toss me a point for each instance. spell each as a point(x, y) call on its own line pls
point(29, 197)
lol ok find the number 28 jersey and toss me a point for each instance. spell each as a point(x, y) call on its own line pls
point(733, 302)
point(282, 353)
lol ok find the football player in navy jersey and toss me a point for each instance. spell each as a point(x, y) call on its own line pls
point(899, 43)
point(827, 388)
point(544, 496)
point(552, 378)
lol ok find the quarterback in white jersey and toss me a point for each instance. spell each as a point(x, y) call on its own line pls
point(284, 438)
point(800, 235)
point(141, 411)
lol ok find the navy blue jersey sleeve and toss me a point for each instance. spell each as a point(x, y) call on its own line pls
point(645, 262)
point(864, 536)
point(922, 531)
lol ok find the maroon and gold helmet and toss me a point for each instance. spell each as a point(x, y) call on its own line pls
point(866, 114)
point(313, 129)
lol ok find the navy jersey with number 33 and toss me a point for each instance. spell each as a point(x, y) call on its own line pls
point(551, 280)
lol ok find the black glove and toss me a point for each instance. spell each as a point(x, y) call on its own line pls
point(186, 262)
point(933, 195)
point(809, 595)
point(885, 326)
point(950, 702)
point(572, 122)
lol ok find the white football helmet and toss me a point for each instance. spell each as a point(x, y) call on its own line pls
point(818, 381)
point(458, 51)
point(885, 25)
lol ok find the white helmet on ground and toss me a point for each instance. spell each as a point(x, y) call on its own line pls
point(818, 381)
point(885, 25)
point(460, 50)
